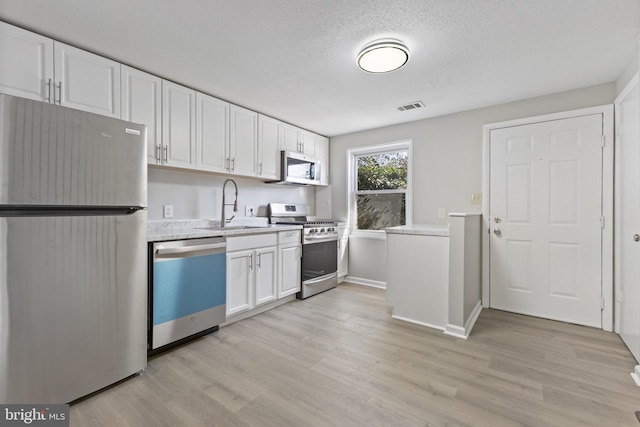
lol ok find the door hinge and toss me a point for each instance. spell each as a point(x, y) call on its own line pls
point(603, 140)
point(602, 223)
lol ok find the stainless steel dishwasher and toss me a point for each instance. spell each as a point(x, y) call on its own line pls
point(187, 289)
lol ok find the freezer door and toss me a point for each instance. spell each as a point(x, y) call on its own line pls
point(73, 311)
point(53, 155)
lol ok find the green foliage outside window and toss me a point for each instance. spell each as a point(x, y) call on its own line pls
point(379, 204)
point(385, 171)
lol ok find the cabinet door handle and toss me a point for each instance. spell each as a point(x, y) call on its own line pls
point(49, 91)
point(260, 168)
point(233, 164)
point(259, 263)
point(158, 154)
point(250, 262)
point(59, 93)
point(165, 149)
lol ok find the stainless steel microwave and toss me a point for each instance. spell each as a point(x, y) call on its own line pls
point(298, 168)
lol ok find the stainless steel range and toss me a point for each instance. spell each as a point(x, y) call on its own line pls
point(319, 247)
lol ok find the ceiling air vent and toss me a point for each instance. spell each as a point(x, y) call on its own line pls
point(411, 106)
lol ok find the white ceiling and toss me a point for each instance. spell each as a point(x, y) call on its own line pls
point(295, 59)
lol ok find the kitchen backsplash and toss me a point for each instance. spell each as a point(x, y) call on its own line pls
point(199, 195)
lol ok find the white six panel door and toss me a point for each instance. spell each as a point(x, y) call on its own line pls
point(546, 210)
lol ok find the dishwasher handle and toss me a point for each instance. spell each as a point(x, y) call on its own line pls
point(161, 250)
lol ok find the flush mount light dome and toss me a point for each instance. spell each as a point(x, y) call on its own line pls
point(383, 56)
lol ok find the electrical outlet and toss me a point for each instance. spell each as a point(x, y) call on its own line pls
point(442, 213)
point(168, 211)
point(250, 210)
point(476, 198)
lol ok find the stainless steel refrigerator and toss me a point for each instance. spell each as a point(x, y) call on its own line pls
point(73, 269)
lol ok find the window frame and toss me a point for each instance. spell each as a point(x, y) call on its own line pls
point(352, 155)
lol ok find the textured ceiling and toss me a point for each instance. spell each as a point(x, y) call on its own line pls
point(295, 59)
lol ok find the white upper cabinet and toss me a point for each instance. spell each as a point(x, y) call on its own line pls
point(289, 138)
point(26, 63)
point(322, 154)
point(185, 129)
point(268, 131)
point(307, 143)
point(36, 67)
point(141, 97)
point(297, 140)
point(178, 125)
point(243, 141)
point(86, 81)
point(212, 134)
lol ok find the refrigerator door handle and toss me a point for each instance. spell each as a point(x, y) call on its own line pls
point(61, 210)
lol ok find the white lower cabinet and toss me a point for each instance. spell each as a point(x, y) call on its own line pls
point(251, 271)
point(239, 281)
point(289, 253)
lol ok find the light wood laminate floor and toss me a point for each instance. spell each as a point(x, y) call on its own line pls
point(338, 359)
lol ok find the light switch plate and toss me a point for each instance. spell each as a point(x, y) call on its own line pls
point(442, 212)
point(476, 198)
point(250, 210)
point(168, 211)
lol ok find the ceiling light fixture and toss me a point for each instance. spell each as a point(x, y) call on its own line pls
point(383, 56)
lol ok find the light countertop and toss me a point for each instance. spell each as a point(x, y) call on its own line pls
point(420, 229)
point(158, 231)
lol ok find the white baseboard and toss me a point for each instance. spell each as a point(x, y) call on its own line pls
point(635, 375)
point(245, 314)
point(404, 319)
point(366, 282)
point(455, 331)
point(463, 332)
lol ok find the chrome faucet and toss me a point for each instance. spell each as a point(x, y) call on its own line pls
point(223, 221)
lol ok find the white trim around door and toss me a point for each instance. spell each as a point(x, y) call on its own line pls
point(607, 199)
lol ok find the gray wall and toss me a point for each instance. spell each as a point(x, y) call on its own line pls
point(447, 160)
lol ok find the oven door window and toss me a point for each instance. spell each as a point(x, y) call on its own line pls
point(319, 259)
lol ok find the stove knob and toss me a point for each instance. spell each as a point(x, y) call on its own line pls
point(322, 230)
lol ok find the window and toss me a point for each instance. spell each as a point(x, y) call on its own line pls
point(380, 186)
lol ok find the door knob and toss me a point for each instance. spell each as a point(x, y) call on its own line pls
point(497, 220)
point(498, 233)
point(636, 237)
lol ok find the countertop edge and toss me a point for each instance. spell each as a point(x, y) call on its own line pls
point(196, 233)
point(437, 230)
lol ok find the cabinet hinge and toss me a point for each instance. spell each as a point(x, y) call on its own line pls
point(603, 141)
point(602, 223)
point(602, 303)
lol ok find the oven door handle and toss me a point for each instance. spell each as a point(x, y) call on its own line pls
point(320, 279)
point(314, 239)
